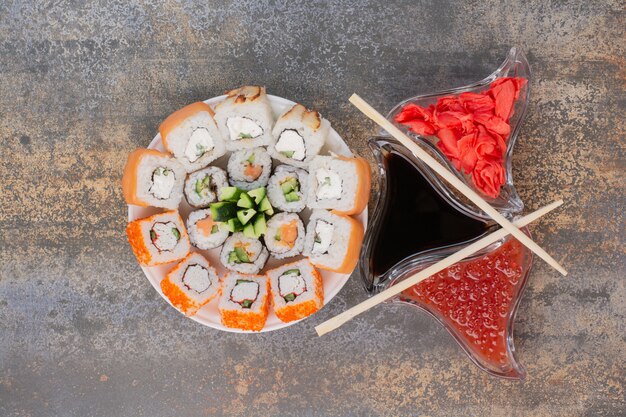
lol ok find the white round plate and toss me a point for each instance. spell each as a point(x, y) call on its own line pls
point(209, 315)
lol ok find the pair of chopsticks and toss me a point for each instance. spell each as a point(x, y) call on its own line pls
point(507, 226)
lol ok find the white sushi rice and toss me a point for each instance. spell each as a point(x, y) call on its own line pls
point(196, 278)
point(198, 238)
point(245, 118)
point(160, 181)
point(239, 288)
point(198, 193)
point(332, 183)
point(327, 238)
point(256, 252)
point(294, 278)
point(272, 236)
point(298, 136)
point(275, 194)
point(196, 141)
point(166, 237)
point(238, 162)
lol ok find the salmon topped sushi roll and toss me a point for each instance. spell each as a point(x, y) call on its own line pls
point(158, 239)
point(298, 136)
point(153, 178)
point(244, 303)
point(333, 241)
point(192, 136)
point(191, 284)
point(297, 290)
point(339, 183)
point(245, 118)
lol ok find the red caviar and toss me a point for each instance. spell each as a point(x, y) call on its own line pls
point(476, 298)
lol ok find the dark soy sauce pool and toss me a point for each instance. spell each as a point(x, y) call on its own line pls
point(416, 217)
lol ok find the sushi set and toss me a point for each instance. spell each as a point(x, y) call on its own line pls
point(244, 221)
point(276, 212)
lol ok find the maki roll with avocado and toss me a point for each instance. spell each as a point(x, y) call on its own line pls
point(249, 168)
point(339, 183)
point(204, 231)
point(298, 136)
point(245, 118)
point(202, 187)
point(192, 136)
point(243, 254)
point(191, 284)
point(158, 239)
point(245, 302)
point(153, 178)
point(297, 290)
point(287, 188)
point(333, 241)
point(284, 236)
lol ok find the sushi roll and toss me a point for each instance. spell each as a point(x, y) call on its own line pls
point(153, 178)
point(297, 290)
point(249, 168)
point(243, 254)
point(158, 239)
point(202, 187)
point(333, 241)
point(192, 136)
point(245, 118)
point(205, 233)
point(191, 284)
point(284, 236)
point(298, 136)
point(339, 183)
point(287, 188)
point(245, 302)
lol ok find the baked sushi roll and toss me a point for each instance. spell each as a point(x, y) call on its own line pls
point(249, 168)
point(202, 187)
point(153, 178)
point(243, 254)
point(204, 232)
point(245, 302)
point(287, 188)
point(192, 136)
point(284, 236)
point(333, 241)
point(191, 284)
point(298, 136)
point(158, 239)
point(245, 118)
point(339, 183)
point(297, 290)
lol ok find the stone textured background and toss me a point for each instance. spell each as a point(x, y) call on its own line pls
point(82, 332)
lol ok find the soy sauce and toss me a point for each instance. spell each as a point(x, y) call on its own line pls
point(416, 217)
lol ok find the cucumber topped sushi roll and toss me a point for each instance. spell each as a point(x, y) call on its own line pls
point(333, 241)
point(244, 303)
point(243, 254)
point(202, 187)
point(298, 136)
point(285, 235)
point(287, 188)
point(191, 284)
point(204, 232)
point(192, 136)
point(297, 290)
point(245, 118)
point(339, 183)
point(153, 178)
point(249, 168)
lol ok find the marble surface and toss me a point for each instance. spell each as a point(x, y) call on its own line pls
point(82, 332)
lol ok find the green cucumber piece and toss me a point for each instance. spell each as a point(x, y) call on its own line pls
point(291, 197)
point(252, 157)
point(265, 206)
point(292, 272)
point(215, 229)
point(288, 154)
point(248, 231)
point(232, 257)
point(241, 254)
point(289, 185)
point(260, 226)
point(176, 233)
point(240, 281)
point(153, 235)
point(244, 216)
point(258, 194)
point(229, 194)
point(290, 297)
point(233, 225)
point(247, 303)
point(223, 211)
point(245, 201)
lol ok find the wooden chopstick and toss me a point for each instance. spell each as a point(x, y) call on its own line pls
point(349, 314)
point(370, 112)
